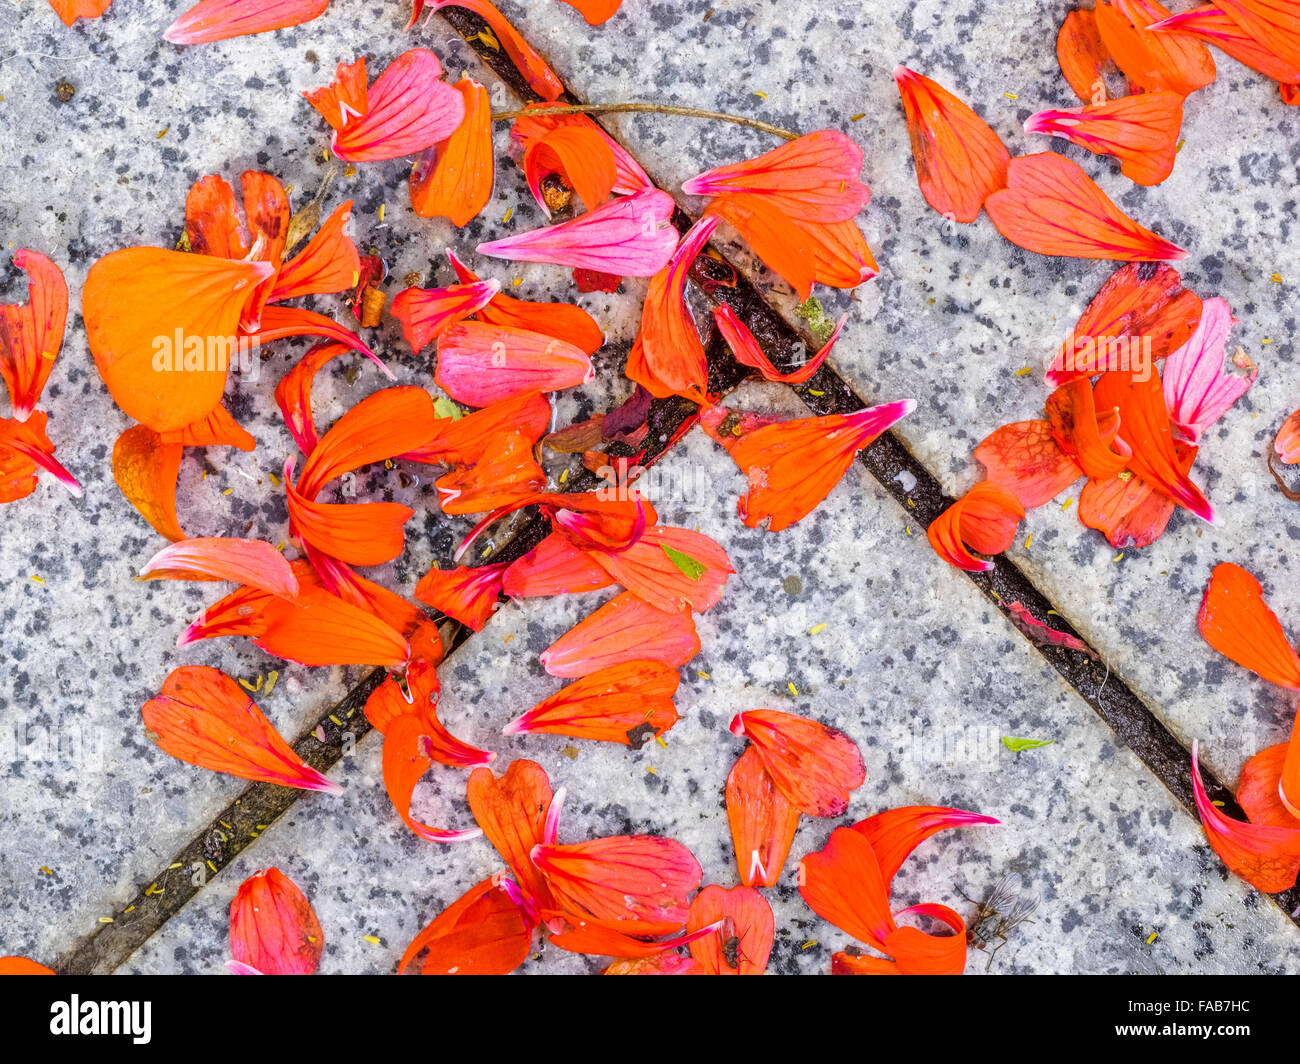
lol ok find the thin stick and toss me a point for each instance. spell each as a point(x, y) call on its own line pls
point(643, 108)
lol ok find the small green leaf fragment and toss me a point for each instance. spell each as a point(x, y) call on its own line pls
point(689, 566)
point(1016, 745)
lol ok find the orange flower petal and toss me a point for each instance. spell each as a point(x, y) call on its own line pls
point(663, 963)
point(815, 766)
point(407, 758)
point(388, 702)
point(31, 334)
point(484, 932)
point(512, 811)
point(1215, 26)
point(793, 465)
point(251, 562)
point(959, 160)
point(1025, 459)
point(146, 469)
point(554, 567)
point(1141, 131)
point(1236, 621)
point(329, 262)
point(1286, 443)
point(582, 158)
point(541, 79)
point(469, 595)
point(650, 572)
point(612, 938)
point(1266, 780)
point(625, 629)
point(219, 20)
point(785, 246)
point(506, 473)
point(136, 297)
point(321, 629)
point(842, 883)
point(25, 447)
point(366, 533)
point(279, 323)
point(841, 256)
point(23, 965)
point(596, 11)
point(1128, 510)
point(895, 833)
point(762, 821)
point(218, 429)
point(454, 179)
point(1152, 61)
point(1274, 23)
point(985, 518)
point(273, 927)
point(1083, 58)
point(1077, 431)
point(204, 717)
point(635, 880)
point(629, 703)
point(1050, 206)
point(467, 440)
point(748, 352)
point(293, 394)
point(742, 945)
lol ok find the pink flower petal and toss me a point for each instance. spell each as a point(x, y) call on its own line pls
point(250, 562)
point(218, 20)
point(481, 364)
point(427, 313)
point(1197, 390)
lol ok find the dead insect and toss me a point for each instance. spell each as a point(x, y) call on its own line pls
point(731, 952)
point(999, 913)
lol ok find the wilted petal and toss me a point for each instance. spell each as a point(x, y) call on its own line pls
point(218, 429)
point(31, 334)
point(218, 20)
point(984, 519)
point(1050, 206)
point(273, 928)
point(796, 252)
point(1025, 459)
point(388, 702)
point(580, 156)
point(959, 160)
point(1088, 439)
point(468, 440)
point(28, 447)
point(204, 717)
point(293, 394)
point(748, 352)
point(631, 237)
point(625, 629)
point(1197, 390)
point(329, 262)
point(506, 473)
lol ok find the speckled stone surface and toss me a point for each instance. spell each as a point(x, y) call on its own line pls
point(914, 664)
point(1102, 843)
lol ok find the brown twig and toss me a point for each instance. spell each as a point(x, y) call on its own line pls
point(642, 108)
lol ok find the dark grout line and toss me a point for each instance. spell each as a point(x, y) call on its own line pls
point(260, 805)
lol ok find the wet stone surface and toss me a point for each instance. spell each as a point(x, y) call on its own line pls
point(913, 663)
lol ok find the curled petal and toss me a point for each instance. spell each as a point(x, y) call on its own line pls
point(541, 79)
point(563, 321)
point(749, 352)
point(793, 465)
point(635, 880)
point(1265, 856)
point(1274, 23)
point(278, 323)
point(1286, 444)
point(469, 595)
point(31, 334)
point(137, 297)
point(629, 703)
point(1141, 131)
point(252, 562)
point(388, 702)
point(367, 533)
point(743, 942)
point(512, 811)
point(814, 177)
point(789, 249)
point(917, 953)
point(25, 447)
point(407, 758)
point(219, 20)
point(1077, 430)
point(531, 128)
point(382, 426)
point(580, 156)
point(762, 819)
point(815, 766)
point(204, 717)
point(895, 833)
point(1050, 206)
point(1268, 780)
point(481, 364)
point(1197, 390)
point(1025, 459)
point(218, 429)
point(671, 349)
point(407, 109)
point(454, 179)
point(984, 519)
point(505, 474)
point(484, 932)
point(468, 440)
point(1152, 61)
point(959, 160)
point(625, 629)
point(329, 262)
point(293, 394)
point(1127, 509)
point(1083, 58)
point(1237, 622)
point(631, 237)
point(273, 928)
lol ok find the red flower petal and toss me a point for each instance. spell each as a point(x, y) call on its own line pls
point(427, 313)
point(1152, 61)
point(480, 364)
point(1236, 621)
point(252, 562)
point(31, 334)
point(512, 811)
point(984, 519)
point(1141, 131)
point(742, 945)
point(453, 180)
point(625, 629)
point(218, 20)
point(554, 567)
point(366, 533)
point(762, 821)
point(650, 572)
point(815, 766)
point(388, 702)
point(273, 927)
point(749, 352)
point(843, 883)
point(469, 595)
point(541, 79)
point(629, 703)
point(407, 757)
point(1083, 58)
point(895, 833)
point(484, 932)
point(1025, 460)
point(580, 155)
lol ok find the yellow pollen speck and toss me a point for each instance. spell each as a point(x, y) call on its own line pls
point(274, 479)
point(163, 133)
point(793, 689)
point(228, 491)
point(1011, 95)
point(564, 476)
point(336, 720)
point(1180, 145)
point(1154, 935)
point(128, 909)
point(652, 770)
point(1025, 372)
point(212, 866)
point(1266, 340)
point(105, 919)
point(660, 740)
point(1277, 278)
point(37, 579)
point(351, 171)
point(1218, 803)
point(155, 889)
point(280, 546)
point(907, 529)
point(271, 678)
point(814, 391)
point(816, 628)
point(507, 638)
point(760, 94)
point(175, 864)
point(809, 944)
point(383, 210)
point(1067, 504)
point(372, 939)
point(47, 871)
point(858, 117)
point(703, 675)
point(1029, 540)
point(516, 282)
point(510, 213)
point(1118, 556)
